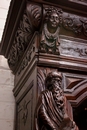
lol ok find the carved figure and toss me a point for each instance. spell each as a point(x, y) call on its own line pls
point(50, 33)
point(51, 111)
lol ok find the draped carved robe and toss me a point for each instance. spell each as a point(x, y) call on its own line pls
point(49, 117)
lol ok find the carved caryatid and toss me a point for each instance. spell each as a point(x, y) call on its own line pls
point(51, 113)
point(49, 41)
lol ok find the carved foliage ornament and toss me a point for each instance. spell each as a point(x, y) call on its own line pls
point(82, 52)
point(51, 112)
point(34, 12)
point(75, 24)
point(22, 38)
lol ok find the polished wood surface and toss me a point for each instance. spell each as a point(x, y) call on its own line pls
point(42, 36)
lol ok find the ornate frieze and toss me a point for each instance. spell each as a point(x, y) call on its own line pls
point(75, 23)
point(72, 23)
point(72, 48)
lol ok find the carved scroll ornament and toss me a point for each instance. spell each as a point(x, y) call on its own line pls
point(75, 23)
point(51, 113)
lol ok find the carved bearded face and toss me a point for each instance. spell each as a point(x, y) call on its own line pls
point(53, 20)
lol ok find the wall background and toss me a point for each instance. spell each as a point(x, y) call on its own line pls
point(4, 6)
point(7, 101)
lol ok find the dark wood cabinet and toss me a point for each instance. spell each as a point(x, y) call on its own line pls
point(33, 50)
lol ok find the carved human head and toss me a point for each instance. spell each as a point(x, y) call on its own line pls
point(53, 19)
point(53, 78)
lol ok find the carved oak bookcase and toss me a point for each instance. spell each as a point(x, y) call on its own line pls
point(42, 36)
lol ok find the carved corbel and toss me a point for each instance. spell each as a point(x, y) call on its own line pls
point(49, 39)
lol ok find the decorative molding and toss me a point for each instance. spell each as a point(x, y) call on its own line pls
point(75, 88)
point(24, 110)
point(79, 1)
point(27, 58)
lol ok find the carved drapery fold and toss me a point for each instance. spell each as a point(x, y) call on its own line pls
point(51, 111)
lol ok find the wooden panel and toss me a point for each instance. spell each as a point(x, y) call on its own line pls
point(24, 112)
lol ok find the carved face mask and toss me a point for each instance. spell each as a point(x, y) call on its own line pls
point(54, 20)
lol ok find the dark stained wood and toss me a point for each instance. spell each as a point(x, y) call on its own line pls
point(51, 111)
point(43, 36)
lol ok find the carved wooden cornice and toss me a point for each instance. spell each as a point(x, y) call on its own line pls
point(34, 16)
